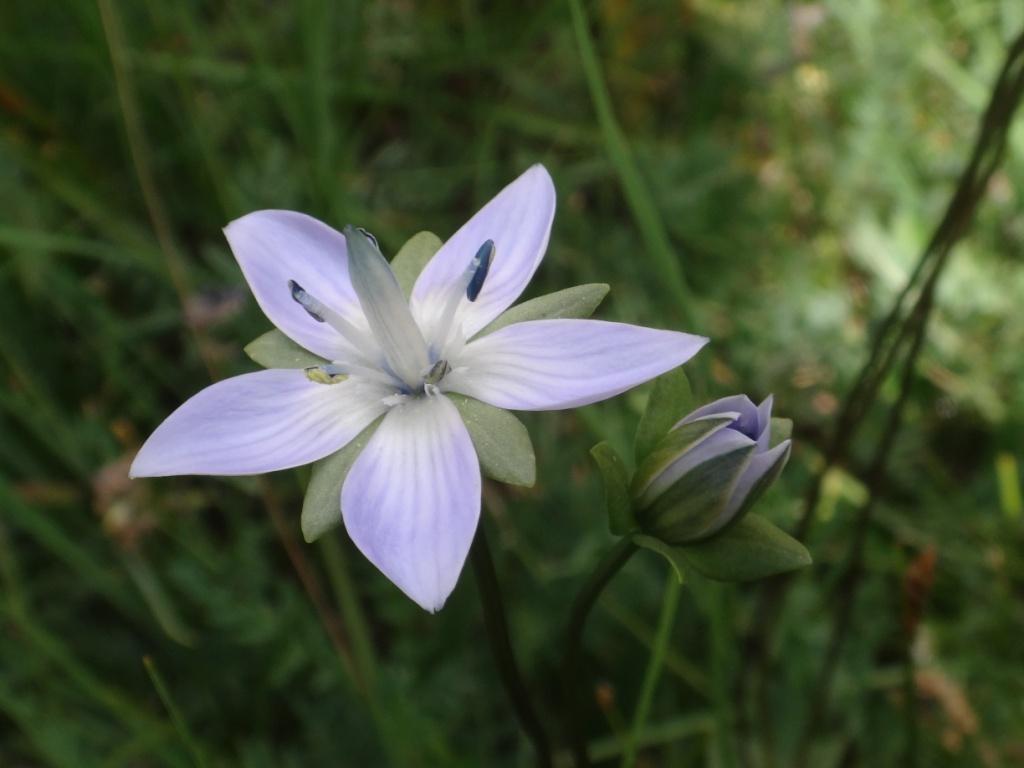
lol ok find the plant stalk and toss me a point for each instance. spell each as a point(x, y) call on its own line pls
point(572, 668)
point(496, 624)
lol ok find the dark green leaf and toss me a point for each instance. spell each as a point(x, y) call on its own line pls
point(275, 350)
point(671, 399)
point(321, 508)
point(501, 441)
point(616, 489)
point(578, 301)
point(413, 257)
point(751, 549)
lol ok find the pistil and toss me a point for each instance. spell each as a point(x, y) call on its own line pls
point(386, 309)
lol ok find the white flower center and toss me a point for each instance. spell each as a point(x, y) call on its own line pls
point(408, 364)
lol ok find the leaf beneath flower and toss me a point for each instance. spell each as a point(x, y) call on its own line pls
point(578, 301)
point(413, 257)
point(321, 508)
point(275, 350)
point(752, 548)
point(671, 399)
point(501, 441)
point(616, 489)
point(670, 553)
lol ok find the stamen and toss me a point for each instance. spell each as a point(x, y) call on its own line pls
point(306, 301)
point(370, 237)
point(469, 284)
point(325, 374)
point(437, 372)
point(324, 314)
point(480, 265)
point(335, 373)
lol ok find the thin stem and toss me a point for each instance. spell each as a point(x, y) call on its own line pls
point(363, 654)
point(638, 196)
point(177, 720)
point(501, 647)
point(669, 605)
point(311, 584)
point(850, 581)
point(139, 149)
point(572, 682)
point(721, 641)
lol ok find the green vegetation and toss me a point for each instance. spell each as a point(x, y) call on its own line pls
point(764, 174)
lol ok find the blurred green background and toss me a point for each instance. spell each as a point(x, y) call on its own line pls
point(780, 167)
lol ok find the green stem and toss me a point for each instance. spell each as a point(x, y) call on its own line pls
point(669, 604)
point(572, 682)
point(363, 655)
point(722, 641)
point(638, 196)
point(501, 647)
point(177, 720)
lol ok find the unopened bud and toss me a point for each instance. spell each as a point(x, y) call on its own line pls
point(709, 469)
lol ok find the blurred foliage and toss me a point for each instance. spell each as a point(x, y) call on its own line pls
point(797, 154)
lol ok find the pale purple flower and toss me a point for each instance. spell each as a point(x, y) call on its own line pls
point(710, 469)
point(411, 500)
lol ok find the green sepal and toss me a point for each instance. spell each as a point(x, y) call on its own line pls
point(782, 429)
point(671, 554)
point(275, 350)
point(575, 302)
point(501, 441)
point(752, 548)
point(671, 399)
point(413, 257)
point(694, 503)
point(672, 446)
point(616, 489)
point(321, 508)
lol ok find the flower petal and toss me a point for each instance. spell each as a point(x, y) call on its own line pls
point(746, 422)
point(411, 501)
point(764, 423)
point(258, 422)
point(273, 247)
point(546, 365)
point(720, 443)
point(760, 473)
point(518, 220)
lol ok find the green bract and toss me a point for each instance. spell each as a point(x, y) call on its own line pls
point(751, 549)
point(321, 508)
point(616, 489)
point(275, 350)
point(413, 257)
point(578, 301)
point(501, 441)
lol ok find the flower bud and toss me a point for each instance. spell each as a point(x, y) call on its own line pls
point(709, 469)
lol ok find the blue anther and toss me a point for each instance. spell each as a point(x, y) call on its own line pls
point(481, 265)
